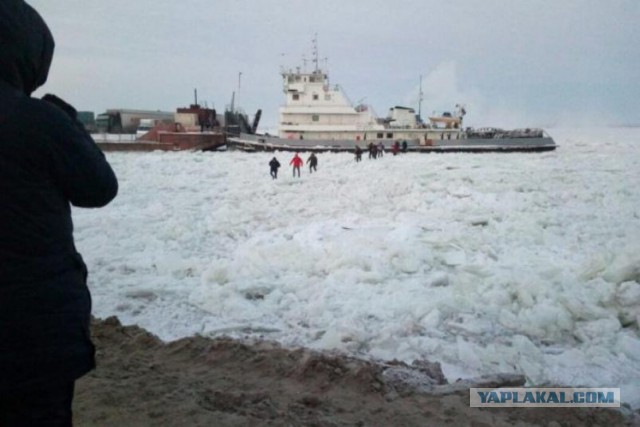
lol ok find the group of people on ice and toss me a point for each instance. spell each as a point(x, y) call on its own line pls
point(296, 162)
point(375, 151)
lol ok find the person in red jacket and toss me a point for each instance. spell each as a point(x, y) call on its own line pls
point(296, 162)
point(395, 148)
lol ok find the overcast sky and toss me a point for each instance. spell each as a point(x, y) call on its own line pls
point(512, 62)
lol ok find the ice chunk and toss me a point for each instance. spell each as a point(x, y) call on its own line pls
point(626, 267)
point(597, 330)
point(630, 345)
point(628, 294)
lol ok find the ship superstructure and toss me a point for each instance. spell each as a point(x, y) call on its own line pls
point(319, 116)
point(316, 110)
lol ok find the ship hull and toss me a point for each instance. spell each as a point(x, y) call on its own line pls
point(162, 141)
point(269, 143)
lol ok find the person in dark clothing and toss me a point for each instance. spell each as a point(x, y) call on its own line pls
point(358, 153)
point(47, 163)
point(374, 151)
point(404, 146)
point(312, 161)
point(274, 164)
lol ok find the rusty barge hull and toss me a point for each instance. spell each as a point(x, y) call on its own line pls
point(168, 141)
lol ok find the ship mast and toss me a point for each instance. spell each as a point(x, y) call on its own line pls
point(315, 52)
point(420, 101)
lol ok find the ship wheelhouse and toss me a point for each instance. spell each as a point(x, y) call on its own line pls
point(315, 110)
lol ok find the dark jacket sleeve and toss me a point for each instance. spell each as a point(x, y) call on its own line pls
point(78, 166)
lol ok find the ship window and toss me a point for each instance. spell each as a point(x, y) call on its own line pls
point(380, 135)
point(315, 117)
point(295, 97)
point(315, 96)
point(327, 97)
point(389, 135)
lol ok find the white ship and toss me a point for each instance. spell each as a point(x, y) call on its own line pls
point(319, 116)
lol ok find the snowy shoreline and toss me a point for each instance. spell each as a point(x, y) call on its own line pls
point(524, 263)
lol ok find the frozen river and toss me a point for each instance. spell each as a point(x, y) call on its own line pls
point(486, 263)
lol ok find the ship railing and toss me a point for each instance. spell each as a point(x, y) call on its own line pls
point(113, 137)
point(497, 133)
point(276, 142)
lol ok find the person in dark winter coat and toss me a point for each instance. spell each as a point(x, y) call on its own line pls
point(358, 153)
point(47, 163)
point(274, 164)
point(312, 161)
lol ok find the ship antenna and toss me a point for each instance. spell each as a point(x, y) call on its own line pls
point(326, 69)
point(315, 51)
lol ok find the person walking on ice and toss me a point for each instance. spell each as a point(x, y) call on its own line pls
point(358, 153)
point(313, 163)
point(274, 164)
point(296, 162)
